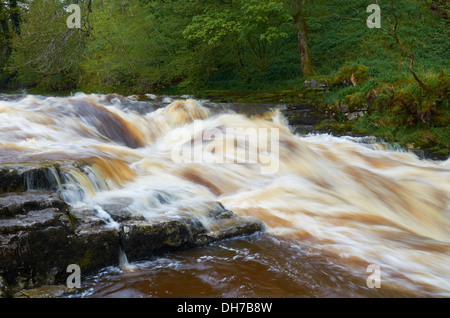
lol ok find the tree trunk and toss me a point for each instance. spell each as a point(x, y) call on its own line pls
point(302, 30)
point(4, 33)
point(15, 16)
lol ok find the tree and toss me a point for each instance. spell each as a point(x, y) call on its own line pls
point(46, 52)
point(250, 29)
point(11, 12)
point(302, 36)
point(15, 15)
point(137, 45)
point(391, 31)
point(5, 32)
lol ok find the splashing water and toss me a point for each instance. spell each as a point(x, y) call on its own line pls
point(356, 203)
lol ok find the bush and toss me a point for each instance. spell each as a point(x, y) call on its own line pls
point(406, 113)
point(350, 74)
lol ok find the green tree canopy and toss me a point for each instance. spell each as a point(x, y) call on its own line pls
point(46, 52)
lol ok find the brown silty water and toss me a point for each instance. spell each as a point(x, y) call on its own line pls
point(332, 206)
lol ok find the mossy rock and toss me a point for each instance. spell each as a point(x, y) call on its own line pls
point(351, 74)
point(28, 176)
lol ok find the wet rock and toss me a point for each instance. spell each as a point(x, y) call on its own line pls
point(221, 213)
point(297, 107)
point(111, 98)
point(36, 256)
point(354, 115)
point(12, 204)
point(40, 236)
point(15, 178)
point(142, 239)
point(343, 108)
point(314, 84)
point(167, 100)
point(151, 96)
point(119, 213)
point(232, 226)
point(303, 117)
point(311, 84)
point(133, 97)
point(324, 85)
point(32, 221)
point(4, 289)
point(97, 247)
point(302, 114)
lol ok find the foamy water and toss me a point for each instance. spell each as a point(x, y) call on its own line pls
point(353, 202)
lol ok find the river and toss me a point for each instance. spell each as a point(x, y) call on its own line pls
point(344, 216)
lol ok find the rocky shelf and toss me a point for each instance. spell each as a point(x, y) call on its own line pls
point(40, 235)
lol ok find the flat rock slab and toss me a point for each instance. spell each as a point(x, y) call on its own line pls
point(12, 204)
point(40, 236)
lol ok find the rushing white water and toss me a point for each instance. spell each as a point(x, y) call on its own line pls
point(358, 203)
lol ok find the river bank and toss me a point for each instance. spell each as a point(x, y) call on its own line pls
point(318, 109)
point(310, 109)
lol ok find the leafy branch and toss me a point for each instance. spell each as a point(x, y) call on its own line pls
point(391, 31)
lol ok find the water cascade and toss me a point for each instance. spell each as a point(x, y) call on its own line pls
point(354, 202)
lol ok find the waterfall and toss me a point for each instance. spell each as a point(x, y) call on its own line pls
point(355, 201)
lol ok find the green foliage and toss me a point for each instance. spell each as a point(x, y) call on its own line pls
point(246, 21)
point(406, 113)
point(47, 53)
point(148, 45)
point(136, 47)
point(338, 40)
point(441, 8)
point(11, 12)
point(205, 46)
point(247, 33)
point(349, 74)
point(352, 73)
point(142, 45)
point(410, 103)
point(398, 109)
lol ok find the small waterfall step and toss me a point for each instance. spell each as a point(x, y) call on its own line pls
point(40, 236)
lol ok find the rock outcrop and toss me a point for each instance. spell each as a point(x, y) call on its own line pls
point(40, 235)
point(15, 178)
point(303, 118)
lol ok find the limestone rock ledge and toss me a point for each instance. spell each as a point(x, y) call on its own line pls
point(40, 235)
